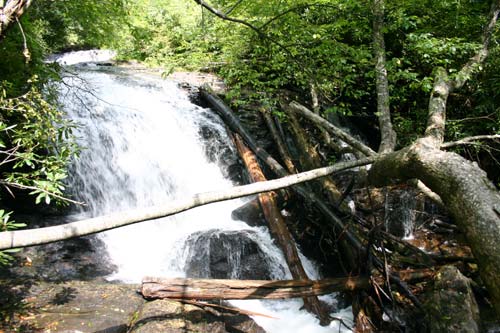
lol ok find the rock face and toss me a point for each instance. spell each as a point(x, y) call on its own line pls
point(452, 307)
point(225, 255)
point(85, 307)
point(77, 306)
point(169, 316)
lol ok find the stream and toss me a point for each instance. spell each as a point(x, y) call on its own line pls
point(145, 143)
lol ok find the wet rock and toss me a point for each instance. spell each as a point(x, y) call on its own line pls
point(79, 306)
point(169, 316)
point(451, 307)
point(85, 307)
point(82, 258)
point(250, 212)
point(226, 255)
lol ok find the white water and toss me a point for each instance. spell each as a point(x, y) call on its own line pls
point(144, 147)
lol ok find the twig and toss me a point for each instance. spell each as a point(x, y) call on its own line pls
point(27, 187)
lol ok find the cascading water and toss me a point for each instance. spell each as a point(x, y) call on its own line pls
point(144, 143)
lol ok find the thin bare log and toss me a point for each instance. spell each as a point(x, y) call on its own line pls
point(30, 237)
point(226, 308)
point(428, 192)
point(206, 289)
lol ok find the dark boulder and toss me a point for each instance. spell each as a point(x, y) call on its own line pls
point(226, 255)
point(451, 306)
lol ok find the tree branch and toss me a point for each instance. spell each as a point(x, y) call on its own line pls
point(469, 140)
point(443, 85)
point(22, 238)
point(223, 16)
point(387, 133)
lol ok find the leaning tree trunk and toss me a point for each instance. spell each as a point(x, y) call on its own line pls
point(472, 200)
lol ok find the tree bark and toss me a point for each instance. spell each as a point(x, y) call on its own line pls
point(279, 230)
point(282, 149)
point(310, 159)
point(387, 133)
point(203, 289)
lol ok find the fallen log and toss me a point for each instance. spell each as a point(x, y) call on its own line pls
point(278, 228)
point(205, 289)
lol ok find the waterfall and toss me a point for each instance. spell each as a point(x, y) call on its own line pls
point(144, 143)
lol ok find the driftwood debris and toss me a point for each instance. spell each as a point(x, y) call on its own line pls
point(278, 228)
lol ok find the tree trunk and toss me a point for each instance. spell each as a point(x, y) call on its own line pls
point(205, 289)
point(471, 199)
point(387, 134)
point(279, 230)
point(280, 144)
point(310, 159)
